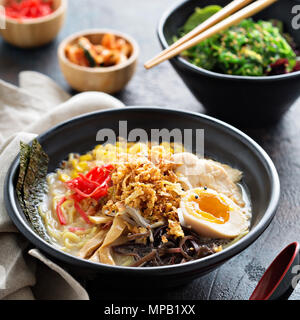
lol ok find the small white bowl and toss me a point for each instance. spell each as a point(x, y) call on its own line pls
point(35, 32)
point(106, 79)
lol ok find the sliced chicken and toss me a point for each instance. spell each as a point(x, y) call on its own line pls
point(210, 174)
point(235, 175)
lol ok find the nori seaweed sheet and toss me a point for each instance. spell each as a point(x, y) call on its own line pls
point(31, 185)
point(24, 160)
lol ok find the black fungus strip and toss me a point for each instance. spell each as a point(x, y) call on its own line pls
point(174, 251)
point(185, 250)
point(150, 256)
point(138, 235)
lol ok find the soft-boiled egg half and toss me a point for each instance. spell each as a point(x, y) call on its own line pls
point(212, 214)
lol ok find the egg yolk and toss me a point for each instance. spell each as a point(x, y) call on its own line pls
point(209, 207)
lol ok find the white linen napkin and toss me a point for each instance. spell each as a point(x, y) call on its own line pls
point(26, 111)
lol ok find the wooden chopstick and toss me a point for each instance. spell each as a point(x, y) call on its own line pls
point(217, 17)
point(237, 17)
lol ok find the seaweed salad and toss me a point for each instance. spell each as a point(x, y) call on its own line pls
point(247, 49)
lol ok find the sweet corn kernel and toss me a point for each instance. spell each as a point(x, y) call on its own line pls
point(86, 157)
point(137, 148)
point(99, 146)
point(82, 166)
point(74, 162)
point(64, 177)
point(74, 174)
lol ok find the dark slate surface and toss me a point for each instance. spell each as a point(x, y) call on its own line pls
point(161, 87)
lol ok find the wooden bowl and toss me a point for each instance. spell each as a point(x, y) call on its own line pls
point(106, 79)
point(30, 33)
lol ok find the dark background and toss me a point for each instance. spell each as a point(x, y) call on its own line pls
point(162, 87)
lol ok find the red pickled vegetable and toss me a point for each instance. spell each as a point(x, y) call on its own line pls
point(99, 192)
point(60, 215)
point(74, 229)
point(93, 185)
point(97, 174)
point(28, 9)
point(83, 214)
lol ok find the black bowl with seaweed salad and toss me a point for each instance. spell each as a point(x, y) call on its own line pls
point(250, 48)
point(247, 75)
point(223, 143)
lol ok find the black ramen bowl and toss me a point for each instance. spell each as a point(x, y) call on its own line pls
point(240, 100)
point(222, 142)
